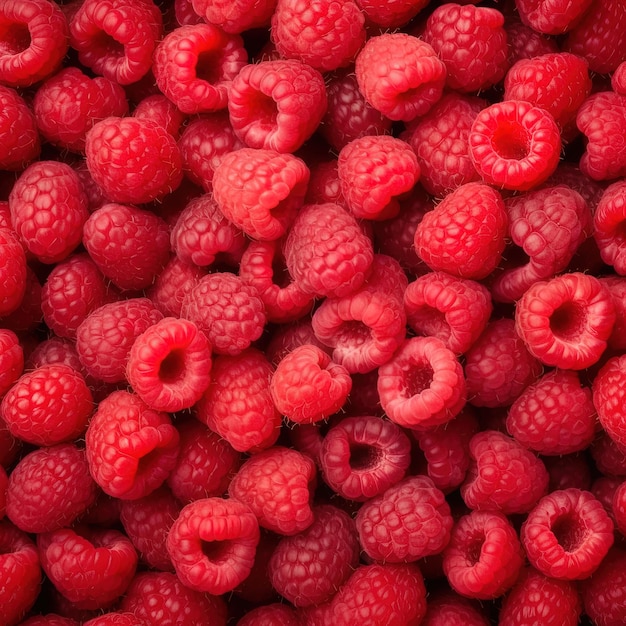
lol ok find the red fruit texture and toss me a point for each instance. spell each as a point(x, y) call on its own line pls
point(173, 283)
point(11, 359)
point(603, 594)
point(525, 42)
point(552, 17)
point(158, 108)
point(237, 16)
point(114, 619)
point(275, 614)
point(618, 79)
point(447, 608)
point(607, 220)
point(390, 13)
point(18, 131)
point(608, 389)
point(50, 619)
point(12, 271)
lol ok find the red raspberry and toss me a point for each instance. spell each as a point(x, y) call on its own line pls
point(567, 535)
point(277, 484)
point(194, 66)
point(361, 457)
point(116, 38)
point(275, 614)
point(133, 159)
point(390, 13)
point(69, 103)
point(465, 233)
point(90, 567)
point(172, 284)
point(34, 41)
point(28, 316)
point(20, 571)
point(114, 619)
point(235, 17)
point(608, 221)
point(515, 145)
point(400, 75)
point(536, 598)
point(161, 110)
point(603, 593)
point(48, 210)
point(18, 131)
point(618, 507)
point(276, 105)
point(324, 185)
point(422, 385)
point(169, 365)
point(525, 42)
point(11, 359)
point(227, 310)
point(446, 608)
point(608, 389)
point(50, 619)
point(310, 566)
point(617, 286)
point(484, 556)
point(608, 455)
point(260, 190)
point(618, 79)
point(326, 251)
point(13, 272)
point(472, 43)
point(286, 337)
point(106, 335)
point(212, 544)
point(565, 321)
point(160, 599)
point(131, 448)
point(325, 35)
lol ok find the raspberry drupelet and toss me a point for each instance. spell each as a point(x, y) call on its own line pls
point(235, 16)
point(608, 389)
point(11, 359)
point(608, 221)
point(603, 593)
point(13, 271)
point(18, 131)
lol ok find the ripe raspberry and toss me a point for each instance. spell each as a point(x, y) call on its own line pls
point(447, 608)
point(133, 159)
point(48, 209)
point(275, 614)
point(514, 145)
point(525, 42)
point(392, 13)
point(131, 448)
point(362, 456)
point(565, 321)
point(34, 41)
point(106, 335)
point(212, 544)
point(235, 17)
point(310, 566)
point(567, 535)
point(276, 105)
point(608, 223)
point(552, 17)
point(618, 79)
point(608, 388)
point(238, 403)
point(194, 66)
point(18, 131)
point(161, 110)
point(414, 84)
point(90, 567)
point(28, 316)
point(56, 351)
point(11, 360)
point(324, 185)
point(114, 618)
point(608, 455)
point(227, 310)
point(116, 38)
point(617, 509)
point(260, 190)
point(50, 619)
point(173, 283)
point(422, 385)
point(472, 43)
point(465, 233)
point(286, 337)
point(326, 251)
point(13, 272)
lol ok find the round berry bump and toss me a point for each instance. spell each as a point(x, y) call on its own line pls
point(162, 110)
point(422, 385)
point(608, 222)
point(276, 105)
point(114, 618)
point(390, 14)
point(169, 365)
point(514, 145)
point(270, 615)
point(618, 79)
point(260, 190)
point(326, 35)
point(565, 321)
point(447, 608)
point(34, 41)
point(90, 567)
point(309, 567)
point(131, 448)
point(195, 64)
point(11, 359)
point(48, 209)
point(603, 593)
point(28, 316)
point(116, 38)
point(133, 159)
point(237, 16)
point(286, 337)
point(18, 131)
point(362, 456)
point(212, 544)
point(464, 235)
point(52, 619)
point(551, 17)
point(608, 389)
point(12, 271)
point(567, 535)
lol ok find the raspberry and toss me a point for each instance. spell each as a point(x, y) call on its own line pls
point(552, 17)
point(12, 272)
point(465, 233)
point(422, 385)
point(169, 365)
point(324, 185)
point(260, 190)
point(116, 38)
point(11, 360)
point(104, 338)
point(608, 389)
point(173, 283)
point(607, 221)
point(133, 159)
point(567, 535)
point(309, 567)
point(326, 252)
point(400, 75)
point(618, 79)
point(275, 614)
point(603, 593)
point(48, 405)
point(362, 456)
point(390, 14)
point(449, 609)
point(28, 316)
point(609, 455)
point(48, 209)
point(618, 507)
point(212, 544)
point(34, 41)
point(538, 598)
point(472, 43)
point(277, 484)
point(525, 43)
point(194, 66)
point(235, 17)
point(227, 310)
point(565, 321)
point(325, 35)
point(131, 448)
point(90, 567)
point(114, 619)
point(276, 105)
point(161, 110)
point(50, 619)
point(18, 131)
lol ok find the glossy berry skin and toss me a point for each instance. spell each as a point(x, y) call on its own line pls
point(11, 359)
point(603, 596)
point(18, 131)
point(447, 608)
point(551, 17)
point(12, 271)
point(235, 17)
point(606, 220)
point(608, 388)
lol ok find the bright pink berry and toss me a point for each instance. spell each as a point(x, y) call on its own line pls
point(602, 593)
point(235, 17)
point(13, 271)
point(390, 13)
point(11, 359)
point(525, 42)
point(18, 131)
point(163, 111)
point(552, 17)
point(607, 223)
point(618, 79)
point(608, 388)
point(114, 618)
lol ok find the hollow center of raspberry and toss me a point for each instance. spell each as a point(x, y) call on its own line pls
point(363, 456)
point(568, 533)
point(354, 333)
point(418, 379)
point(172, 367)
point(511, 140)
point(567, 322)
point(107, 46)
point(474, 549)
point(216, 551)
point(264, 108)
point(208, 67)
point(14, 38)
point(280, 274)
point(433, 322)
